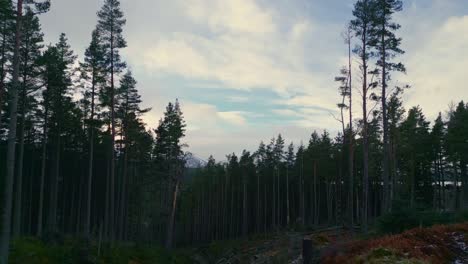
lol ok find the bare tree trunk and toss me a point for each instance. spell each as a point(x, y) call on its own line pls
point(43, 170)
point(107, 207)
point(315, 195)
point(31, 183)
point(170, 227)
point(258, 203)
point(273, 192)
point(302, 189)
point(52, 224)
point(244, 207)
point(123, 198)
point(112, 146)
point(413, 182)
point(87, 223)
point(365, 139)
point(287, 197)
point(11, 150)
point(17, 219)
point(278, 205)
point(351, 137)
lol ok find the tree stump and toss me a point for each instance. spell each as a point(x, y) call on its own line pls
point(307, 250)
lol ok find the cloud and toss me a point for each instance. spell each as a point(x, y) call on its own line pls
point(237, 43)
point(437, 69)
point(238, 99)
point(233, 117)
point(236, 16)
point(291, 49)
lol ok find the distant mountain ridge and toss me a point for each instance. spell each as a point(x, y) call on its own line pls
point(194, 162)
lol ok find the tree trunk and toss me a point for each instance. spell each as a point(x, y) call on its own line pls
point(17, 219)
point(258, 204)
point(351, 140)
point(244, 208)
point(87, 224)
point(302, 189)
point(3, 63)
point(464, 180)
point(52, 225)
point(112, 146)
point(123, 199)
point(43, 170)
point(386, 197)
point(365, 174)
point(11, 149)
point(315, 221)
point(287, 197)
point(170, 227)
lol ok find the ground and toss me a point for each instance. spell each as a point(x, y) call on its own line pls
point(437, 244)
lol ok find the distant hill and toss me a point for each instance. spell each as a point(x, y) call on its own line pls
point(193, 162)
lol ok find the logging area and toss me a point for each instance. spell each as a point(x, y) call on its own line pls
point(87, 177)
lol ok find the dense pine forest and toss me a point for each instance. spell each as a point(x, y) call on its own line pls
point(77, 159)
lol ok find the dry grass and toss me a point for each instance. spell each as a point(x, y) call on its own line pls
point(431, 245)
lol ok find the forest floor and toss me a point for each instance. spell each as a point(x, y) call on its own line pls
point(436, 244)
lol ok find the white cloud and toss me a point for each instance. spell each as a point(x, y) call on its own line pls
point(437, 69)
point(233, 117)
point(255, 44)
point(237, 43)
point(236, 16)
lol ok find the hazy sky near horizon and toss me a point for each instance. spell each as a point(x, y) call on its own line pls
point(246, 70)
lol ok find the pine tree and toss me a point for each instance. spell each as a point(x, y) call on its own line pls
point(415, 158)
point(110, 24)
point(32, 38)
point(92, 74)
point(59, 81)
point(457, 146)
point(388, 46)
point(128, 111)
point(438, 133)
point(290, 159)
point(11, 149)
point(169, 157)
point(362, 26)
point(6, 32)
point(395, 117)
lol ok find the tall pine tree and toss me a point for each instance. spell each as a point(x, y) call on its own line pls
point(110, 24)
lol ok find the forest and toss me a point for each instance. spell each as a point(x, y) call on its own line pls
point(77, 160)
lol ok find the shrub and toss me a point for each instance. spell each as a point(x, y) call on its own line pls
point(403, 218)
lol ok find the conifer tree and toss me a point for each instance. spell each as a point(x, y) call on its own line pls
point(12, 129)
point(387, 46)
point(30, 52)
point(289, 166)
point(457, 147)
point(92, 74)
point(362, 25)
point(438, 134)
point(59, 81)
point(6, 33)
point(169, 158)
point(110, 24)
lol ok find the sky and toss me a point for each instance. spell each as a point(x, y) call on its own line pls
point(246, 70)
